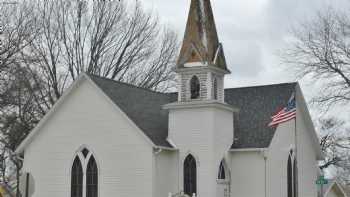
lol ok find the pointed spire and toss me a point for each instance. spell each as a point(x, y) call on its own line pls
point(201, 43)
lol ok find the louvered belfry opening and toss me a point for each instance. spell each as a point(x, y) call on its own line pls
point(195, 87)
point(215, 89)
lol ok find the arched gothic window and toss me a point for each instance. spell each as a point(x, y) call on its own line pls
point(215, 88)
point(195, 87)
point(190, 175)
point(295, 177)
point(77, 178)
point(221, 175)
point(292, 175)
point(84, 164)
point(91, 178)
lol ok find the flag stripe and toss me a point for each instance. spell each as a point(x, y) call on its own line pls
point(293, 115)
point(280, 112)
point(286, 114)
point(286, 118)
point(281, 121)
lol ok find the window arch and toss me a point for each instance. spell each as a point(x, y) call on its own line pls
point(84, 175)
point(77, 178)
point(215, 89)
point(222, 173)
point(85, 152)
point(190, 175)
point(195, 87)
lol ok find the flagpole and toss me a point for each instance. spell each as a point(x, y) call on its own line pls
point(296, 145)
point(295, 135)
point(295, 124)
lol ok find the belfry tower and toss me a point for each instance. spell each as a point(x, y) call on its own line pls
point(200, 116)
point(201, 65)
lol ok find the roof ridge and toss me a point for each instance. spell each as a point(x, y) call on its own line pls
point(126, 84)
point(260, 86)
point(175, 92)
point(246, 87)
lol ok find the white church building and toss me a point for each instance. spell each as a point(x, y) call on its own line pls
point(110, 139)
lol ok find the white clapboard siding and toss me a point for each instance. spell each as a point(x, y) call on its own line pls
point(86, 117)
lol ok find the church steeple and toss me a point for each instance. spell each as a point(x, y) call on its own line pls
point(201, 65)
point(201, 112)
point(201, 43)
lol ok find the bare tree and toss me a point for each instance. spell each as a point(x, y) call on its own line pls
point(320, 51)
point(17, 30)
point(335, 146)
point(19, 114)
point(49, 43)
point(106, 39)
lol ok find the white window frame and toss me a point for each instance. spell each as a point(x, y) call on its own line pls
point(84, 162)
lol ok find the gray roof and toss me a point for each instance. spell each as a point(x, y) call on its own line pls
point(142, 106)
point(255, 104)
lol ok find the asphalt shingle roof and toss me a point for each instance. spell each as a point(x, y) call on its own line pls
point(255, 104)
point(142, 106)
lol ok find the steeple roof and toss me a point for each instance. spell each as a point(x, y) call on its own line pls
point(201, 43)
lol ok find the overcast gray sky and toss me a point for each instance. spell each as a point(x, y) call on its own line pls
point(252, 32)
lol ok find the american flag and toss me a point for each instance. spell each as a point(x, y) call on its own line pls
point(286, 114)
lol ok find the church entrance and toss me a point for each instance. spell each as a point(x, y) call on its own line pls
point(223, 181)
